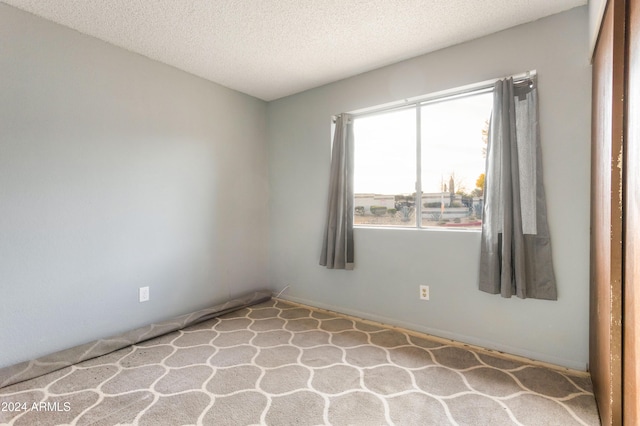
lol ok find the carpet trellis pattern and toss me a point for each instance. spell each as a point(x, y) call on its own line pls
point(282, 364)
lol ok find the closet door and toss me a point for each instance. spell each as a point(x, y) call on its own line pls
point(631, 320)
point(605, 343)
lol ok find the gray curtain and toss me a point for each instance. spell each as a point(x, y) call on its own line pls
point(337, 245)
point(515, 257)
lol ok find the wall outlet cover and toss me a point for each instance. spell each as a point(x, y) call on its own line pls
point(424, 292)
point(143, 294)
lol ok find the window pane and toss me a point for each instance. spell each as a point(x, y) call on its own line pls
point(453, 161)
point(385, 169)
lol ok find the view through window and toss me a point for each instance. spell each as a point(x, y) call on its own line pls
point(437, 149)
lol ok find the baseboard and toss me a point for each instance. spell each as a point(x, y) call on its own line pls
point(455, 339)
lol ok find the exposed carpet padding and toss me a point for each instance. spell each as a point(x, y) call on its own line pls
point(281, 364)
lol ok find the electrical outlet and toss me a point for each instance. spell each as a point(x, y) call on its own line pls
point(143, 294)
point(424, 292)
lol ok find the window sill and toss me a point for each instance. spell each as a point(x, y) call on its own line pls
point(413, 228)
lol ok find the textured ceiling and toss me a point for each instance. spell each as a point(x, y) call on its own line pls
point(274, 48)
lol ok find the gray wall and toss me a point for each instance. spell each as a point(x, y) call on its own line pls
point(596, 13)
point(118, 172)
point(391, 264)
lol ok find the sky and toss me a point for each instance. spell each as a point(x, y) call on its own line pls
point(385, 147)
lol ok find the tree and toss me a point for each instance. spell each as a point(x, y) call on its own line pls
point(479, 190)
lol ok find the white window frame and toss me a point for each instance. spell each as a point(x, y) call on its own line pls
point(416, 103)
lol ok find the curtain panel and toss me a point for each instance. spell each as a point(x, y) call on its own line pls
point(337, 244)
point(515, 256)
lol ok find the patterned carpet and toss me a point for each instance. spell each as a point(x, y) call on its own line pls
point(281, 364)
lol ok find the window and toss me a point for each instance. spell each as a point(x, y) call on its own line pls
point(434, 148)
